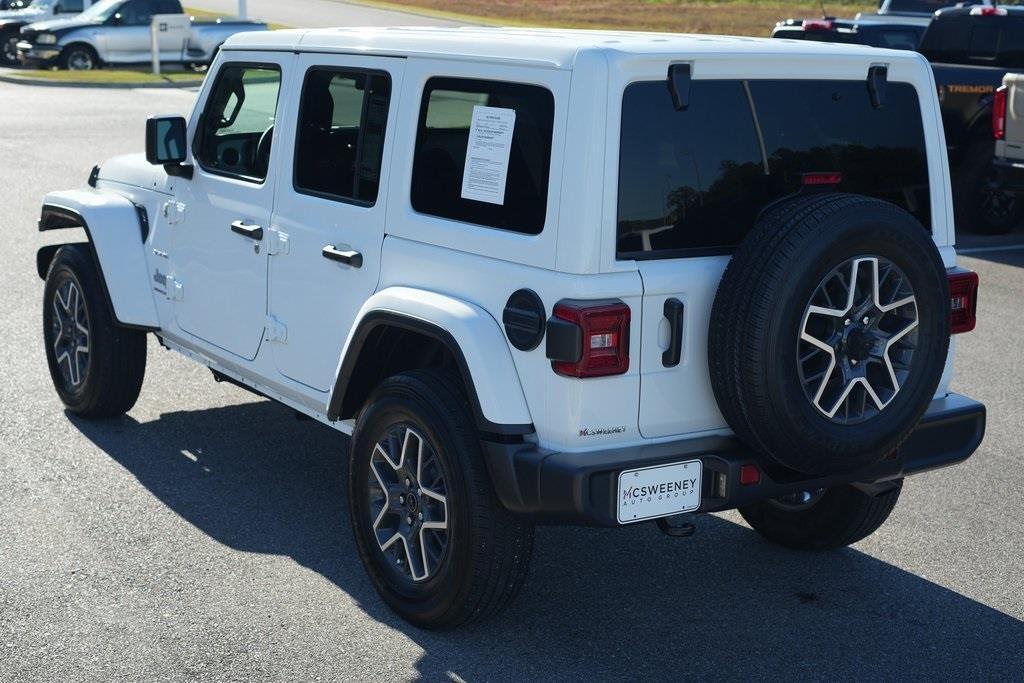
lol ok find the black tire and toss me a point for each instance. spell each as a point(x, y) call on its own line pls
point(486, 549)
point(840, 517)
point(8, 53)
point(79, 57)
point(981, 205)
point(107, 377)
point(758, 318)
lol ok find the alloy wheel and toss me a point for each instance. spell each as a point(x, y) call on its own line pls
point(857, 339)
point(80, 60)
point(408, 503)
point(70, 333)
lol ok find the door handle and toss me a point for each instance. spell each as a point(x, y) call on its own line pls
point(349, 258)
point(253, 232)
point(674, 353)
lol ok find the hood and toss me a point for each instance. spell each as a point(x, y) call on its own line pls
point(55, 25)
point(134, 170)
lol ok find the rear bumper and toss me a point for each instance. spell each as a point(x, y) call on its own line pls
point(1010, 174)
point(582, 488)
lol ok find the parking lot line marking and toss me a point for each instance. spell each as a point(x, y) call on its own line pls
point(982, 250)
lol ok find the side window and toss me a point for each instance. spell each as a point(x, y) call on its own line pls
point(237, 128)
point(340, 141)
point(70, 6)
point(444, 185)
point(984, 40)
point(136, 13)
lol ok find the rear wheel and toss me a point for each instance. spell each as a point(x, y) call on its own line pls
point(822, 519)
point(9, 48)
point(97, 366)
point(983, 205)
point(437, 545)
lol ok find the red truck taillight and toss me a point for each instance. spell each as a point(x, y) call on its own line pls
point(601, 339)
point(999, 114)
point(963, 300)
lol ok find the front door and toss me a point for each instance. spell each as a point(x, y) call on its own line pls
point(219, 257)
point(126, 37)
point(330, 215)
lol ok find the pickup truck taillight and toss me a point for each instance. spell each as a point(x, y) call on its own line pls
point(963, 300)
point(999, 114)
point(592, 338)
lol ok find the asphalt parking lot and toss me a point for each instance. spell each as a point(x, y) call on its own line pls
point(205, 536)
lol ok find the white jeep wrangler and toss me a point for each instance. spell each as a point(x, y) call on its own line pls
point(544, 276)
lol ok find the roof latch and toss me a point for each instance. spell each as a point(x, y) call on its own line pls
point(878, 76)
point(679, 85)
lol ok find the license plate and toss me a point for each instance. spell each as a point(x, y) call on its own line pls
point(659, 491)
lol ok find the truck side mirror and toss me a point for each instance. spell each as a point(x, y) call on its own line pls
point(166, 144)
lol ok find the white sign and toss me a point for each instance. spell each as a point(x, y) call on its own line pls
point(168, 34)
point(659, 491)
point(490, 142)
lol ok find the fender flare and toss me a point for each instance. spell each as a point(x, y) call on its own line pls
point(470, 333)
point(117, 231)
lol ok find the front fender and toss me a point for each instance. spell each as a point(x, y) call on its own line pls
point(117, 230)
point(470, 333)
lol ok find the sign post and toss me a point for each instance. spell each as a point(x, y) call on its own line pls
point(167, 33)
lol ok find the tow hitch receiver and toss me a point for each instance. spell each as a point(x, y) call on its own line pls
point(675, 527)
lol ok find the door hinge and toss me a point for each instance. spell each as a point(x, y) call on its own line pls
point(277, 242)
point(174, 212)
point(276, 330)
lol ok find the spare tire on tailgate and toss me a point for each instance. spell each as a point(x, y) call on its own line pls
point(829, 332)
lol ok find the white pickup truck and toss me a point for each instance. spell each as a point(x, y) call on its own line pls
point(13, 20)
point(118, 32)
point(543, 276)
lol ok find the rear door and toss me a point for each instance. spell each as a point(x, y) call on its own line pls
point(330, 209)
point(692, 183)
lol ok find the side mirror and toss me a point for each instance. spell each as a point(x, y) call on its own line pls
point(57, 9)
point(166, 144)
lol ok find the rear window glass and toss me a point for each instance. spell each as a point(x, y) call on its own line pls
point(694, 181)
point(442, 141)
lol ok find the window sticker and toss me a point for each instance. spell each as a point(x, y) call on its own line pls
point(490, 142)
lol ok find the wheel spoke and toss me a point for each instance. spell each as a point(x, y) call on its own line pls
point(408, 502)
point(878, 317)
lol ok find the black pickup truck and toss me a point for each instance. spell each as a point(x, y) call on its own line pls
point(970, 49)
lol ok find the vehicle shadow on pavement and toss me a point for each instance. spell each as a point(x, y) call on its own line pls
point(598, 603)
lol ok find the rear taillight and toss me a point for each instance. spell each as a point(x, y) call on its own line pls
point(600, 345)
point(988, 12)
point(999, 114)
point(818, 24)
point(963, 300)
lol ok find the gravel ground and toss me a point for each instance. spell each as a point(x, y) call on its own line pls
point(205, 535)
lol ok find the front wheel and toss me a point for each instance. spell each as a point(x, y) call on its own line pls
point(822, 519)
point(97, 366)
point(439, 548)
point(79, 58)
